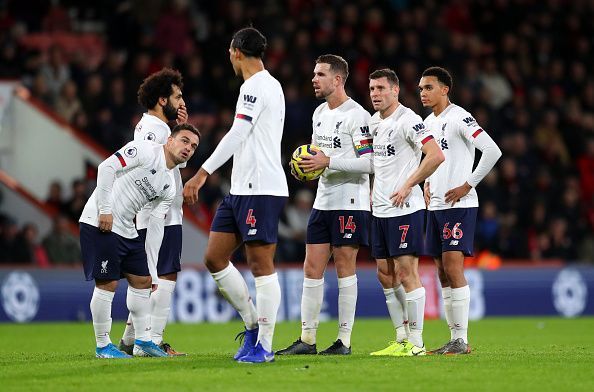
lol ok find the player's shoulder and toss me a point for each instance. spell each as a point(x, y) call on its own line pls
point(457, 112)
point(375, 119)
point(151, 128)
point(355, 110)
point(409, 116)
point(321, 108)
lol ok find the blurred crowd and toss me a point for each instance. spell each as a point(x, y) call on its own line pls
point(521, 67)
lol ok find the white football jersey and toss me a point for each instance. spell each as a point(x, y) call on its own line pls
point(156, 130)
point(397, 143)
point(141, 177)
point(257, 167)
point(342, 132)
point(455, 130)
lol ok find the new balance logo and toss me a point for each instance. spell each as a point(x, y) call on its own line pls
point(249, 98)
point(403, 245)
point(454, 242)
point(252, 231)
point(104, 266)
point(444, 144)
point(348, 235)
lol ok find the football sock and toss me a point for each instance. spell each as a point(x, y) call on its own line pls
point(160, 308)
point(101, 313)
point(401, 297)
point(446, 293)
point(460, 309)
point(268, 298)
point(139, 305)
point(415, 301)
point(235, 290)
point(396, 314)
point(129, 333)
point(347, 303)
point(311, 304)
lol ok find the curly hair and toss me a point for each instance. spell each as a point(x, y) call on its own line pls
point(158, 85)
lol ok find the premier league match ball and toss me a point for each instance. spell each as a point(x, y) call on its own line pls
point(306, 149)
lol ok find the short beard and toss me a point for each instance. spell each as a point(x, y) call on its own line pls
point(169, 111)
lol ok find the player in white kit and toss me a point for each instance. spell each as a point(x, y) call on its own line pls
point(138, 174)
point(399, 139)
point(339, 222)
point(161, 95)
point(251, 212)
point(452, 200)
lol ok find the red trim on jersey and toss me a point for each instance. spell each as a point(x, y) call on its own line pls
point(122, 161)
point(243, 117)
point(426, 139)
point(475, 134)
point(366, 141)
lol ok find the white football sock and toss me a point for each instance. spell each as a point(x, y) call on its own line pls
point(101, 313)
point(415, 301)
point(446, 294)
point(268, 299)
point(129, 333)
point(160, 308)
point(396, 314)
point(235, 290)
point(139, 305)
point(347, 303)
point(311, 304)
point(460, 310)
point(401, 297)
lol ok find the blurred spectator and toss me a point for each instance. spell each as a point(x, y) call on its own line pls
point(74, 206)
point(28, 249)
point(61, 245)
point(55, 196)
point(68, 103)
point(293, 227)
point(10, 242)
point(55, 72)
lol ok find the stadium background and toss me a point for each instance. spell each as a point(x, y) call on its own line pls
point(527, 81)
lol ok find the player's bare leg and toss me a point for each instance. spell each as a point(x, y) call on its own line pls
point(316, 260)
point(345, 258)
point(408, 267)
point(260, 258)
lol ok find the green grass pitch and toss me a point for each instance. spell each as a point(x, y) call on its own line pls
point(541, 354)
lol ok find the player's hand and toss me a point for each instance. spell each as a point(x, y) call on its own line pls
point(105, 222)
point(318, 160)
point(193, 186)
point(182, 115)
point(426, 194)
point(401, 195)
point(454, 195)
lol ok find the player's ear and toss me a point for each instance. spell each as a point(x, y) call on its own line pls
point(162, 101)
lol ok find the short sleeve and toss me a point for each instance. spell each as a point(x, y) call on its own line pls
point(152, 131)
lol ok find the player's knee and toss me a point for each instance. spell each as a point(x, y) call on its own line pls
point(385, 279)
point(452, 271)
point(140, 282)
point(311, 271)
point(213, 265)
